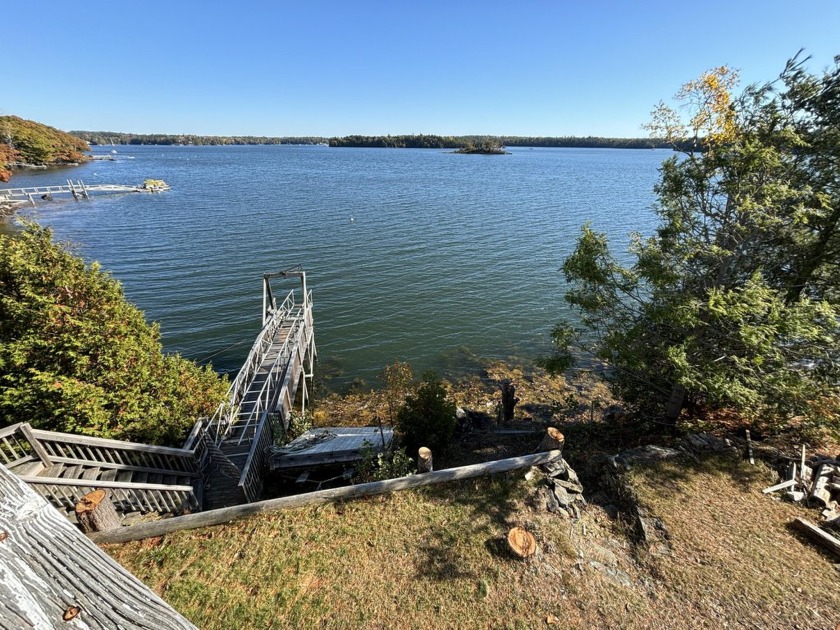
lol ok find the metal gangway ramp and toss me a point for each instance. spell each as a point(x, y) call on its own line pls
point(261, 398)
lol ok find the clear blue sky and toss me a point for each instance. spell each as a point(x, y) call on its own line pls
point(327, 68)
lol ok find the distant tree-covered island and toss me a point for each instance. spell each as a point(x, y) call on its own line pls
point(488, 147)
point(29, 143)
point(473, 143)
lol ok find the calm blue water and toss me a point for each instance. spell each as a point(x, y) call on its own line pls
point(450, 258)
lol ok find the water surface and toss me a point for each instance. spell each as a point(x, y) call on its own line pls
point(419, 255)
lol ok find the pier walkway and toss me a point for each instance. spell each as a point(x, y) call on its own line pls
point(77, 190)
point(222, 461)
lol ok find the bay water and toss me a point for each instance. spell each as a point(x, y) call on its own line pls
point(439, 259)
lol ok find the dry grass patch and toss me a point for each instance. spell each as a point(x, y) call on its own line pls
point(435, 558)
point(735, 559)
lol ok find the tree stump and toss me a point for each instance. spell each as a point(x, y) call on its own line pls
point(509, 400)
point(552, 440)
point(96, 513)
point(424, 460)
point(521, 543)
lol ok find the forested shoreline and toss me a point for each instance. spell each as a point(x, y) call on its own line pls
point(26, 142)
point(404, 141)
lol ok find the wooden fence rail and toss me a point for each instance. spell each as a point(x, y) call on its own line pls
point(225, 515)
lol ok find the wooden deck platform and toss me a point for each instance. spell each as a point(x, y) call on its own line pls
point(329, 446)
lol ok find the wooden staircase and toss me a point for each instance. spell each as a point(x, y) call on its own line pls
point(138, 477)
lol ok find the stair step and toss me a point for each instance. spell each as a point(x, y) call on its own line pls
point(71, 472)
point(91, 473)
point(140, 477)
point(29, 469)
point(109, 474)
point(53, 470)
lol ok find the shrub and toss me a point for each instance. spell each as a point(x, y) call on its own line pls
point(427, 418)
point(383, 465)
point(75, 356)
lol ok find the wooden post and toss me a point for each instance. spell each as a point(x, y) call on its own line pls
point(424, 460)
point(509, 400)
point(96, 513)
point(675, 403)
point(39, 449)
point(52, 573)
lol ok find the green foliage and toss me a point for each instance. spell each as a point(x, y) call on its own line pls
point(428, 417)
point(75, 356)
point(299, 423)
point(734, 300)
point(389, 464)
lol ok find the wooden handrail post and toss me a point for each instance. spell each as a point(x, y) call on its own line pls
point(39, 449)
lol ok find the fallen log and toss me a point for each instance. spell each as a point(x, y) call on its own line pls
point(225, 515)
point(817, 535)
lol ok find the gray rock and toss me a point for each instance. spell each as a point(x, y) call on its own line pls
point(617, 576)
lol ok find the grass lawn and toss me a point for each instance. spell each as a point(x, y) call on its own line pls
point(435, 558)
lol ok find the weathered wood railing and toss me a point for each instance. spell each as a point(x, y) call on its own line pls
point(84, 450)
point(63, 467)
point(251, 479)
point(126, 496)
point(18, 447)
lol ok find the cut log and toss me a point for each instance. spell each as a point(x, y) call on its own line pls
point(424, 460)
point(817, 535)
point(821, 494)
point(552, 440)
point(96, 513)
point(522, 543)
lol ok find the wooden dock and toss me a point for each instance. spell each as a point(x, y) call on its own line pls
point(77, 190)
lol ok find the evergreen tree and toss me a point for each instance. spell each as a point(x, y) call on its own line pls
point(75, 356)
point(733, 302)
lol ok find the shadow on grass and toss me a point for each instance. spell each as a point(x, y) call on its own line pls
point(490, 503)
